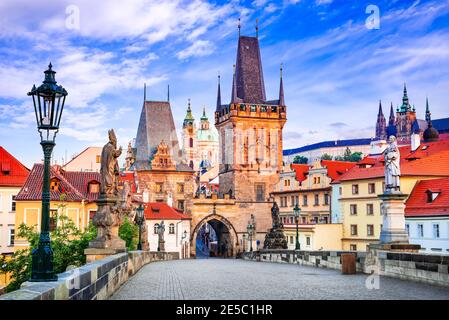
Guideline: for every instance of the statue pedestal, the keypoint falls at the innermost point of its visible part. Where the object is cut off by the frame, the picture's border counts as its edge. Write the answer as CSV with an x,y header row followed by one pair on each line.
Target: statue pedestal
x,y
393,227
161,246
107,221
275,239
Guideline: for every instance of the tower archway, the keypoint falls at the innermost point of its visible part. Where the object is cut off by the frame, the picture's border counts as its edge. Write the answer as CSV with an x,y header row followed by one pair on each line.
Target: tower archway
x,y
220,240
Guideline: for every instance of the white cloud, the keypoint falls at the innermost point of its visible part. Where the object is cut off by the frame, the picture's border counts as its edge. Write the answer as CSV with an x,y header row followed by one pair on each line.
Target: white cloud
x,y
198,49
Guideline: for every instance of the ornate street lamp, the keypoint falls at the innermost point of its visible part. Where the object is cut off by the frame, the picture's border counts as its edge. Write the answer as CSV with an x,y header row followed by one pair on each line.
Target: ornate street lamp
x,y
249,228
48,100
297,211
140,218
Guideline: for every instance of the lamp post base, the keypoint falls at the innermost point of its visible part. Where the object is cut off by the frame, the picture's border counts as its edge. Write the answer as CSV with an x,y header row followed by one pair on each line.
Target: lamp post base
x,y
42,264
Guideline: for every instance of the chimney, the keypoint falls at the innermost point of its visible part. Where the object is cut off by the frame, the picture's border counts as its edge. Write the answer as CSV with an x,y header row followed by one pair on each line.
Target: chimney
x,y
415,139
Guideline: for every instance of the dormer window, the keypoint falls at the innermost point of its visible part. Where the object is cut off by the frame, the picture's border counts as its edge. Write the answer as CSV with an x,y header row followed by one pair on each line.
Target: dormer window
x,y
54,184
94,187
432,195
6,168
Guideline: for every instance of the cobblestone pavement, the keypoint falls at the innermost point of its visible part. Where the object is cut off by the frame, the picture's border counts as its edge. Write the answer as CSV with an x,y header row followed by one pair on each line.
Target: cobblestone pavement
x,y
225,279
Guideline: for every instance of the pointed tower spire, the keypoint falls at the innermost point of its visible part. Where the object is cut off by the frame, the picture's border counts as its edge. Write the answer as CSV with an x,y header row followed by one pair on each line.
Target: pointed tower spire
x,y
392,119
405,101
257,28
168,93
144,92
234,88
188,120
239,26
381,124
430,134
281,89
218,108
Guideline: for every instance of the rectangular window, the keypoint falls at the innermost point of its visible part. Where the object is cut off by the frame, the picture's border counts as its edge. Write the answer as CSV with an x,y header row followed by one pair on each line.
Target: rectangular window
x,y
340,191
355,189
353,209
98,158
12,233
53,219
407,229
353,247
304,201
297,200
181,204
159,187
308,241
13,203
353,229
292,202
370,230
436,230
291,220
317,200
371,188
260,192
420,230
326,199
180,188
370,209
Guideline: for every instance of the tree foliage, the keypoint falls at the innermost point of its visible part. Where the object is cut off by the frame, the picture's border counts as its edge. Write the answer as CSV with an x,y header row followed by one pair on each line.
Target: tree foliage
x,y
349,156
129,232
68,243
326,156
300,160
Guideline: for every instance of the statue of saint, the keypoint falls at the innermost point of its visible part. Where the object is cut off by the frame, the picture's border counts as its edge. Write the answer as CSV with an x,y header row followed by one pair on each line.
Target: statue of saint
x,y
275,215
129,157
110,170
161,231
392,166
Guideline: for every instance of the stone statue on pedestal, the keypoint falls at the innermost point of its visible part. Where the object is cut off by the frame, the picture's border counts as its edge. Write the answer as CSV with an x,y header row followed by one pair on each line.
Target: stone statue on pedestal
x,y
110,205
275,238
392,167
160,233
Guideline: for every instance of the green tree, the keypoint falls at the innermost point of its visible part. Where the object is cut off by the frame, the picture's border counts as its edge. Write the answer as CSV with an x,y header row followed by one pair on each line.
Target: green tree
x,y
349,156
300,160
326,157
68,243
129,232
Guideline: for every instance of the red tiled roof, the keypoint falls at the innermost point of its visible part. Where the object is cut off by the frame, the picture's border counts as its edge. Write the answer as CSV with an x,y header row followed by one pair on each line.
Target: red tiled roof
x,y
162,211
417,205
336,168
301,171
75,185
128,177
430,159
12,172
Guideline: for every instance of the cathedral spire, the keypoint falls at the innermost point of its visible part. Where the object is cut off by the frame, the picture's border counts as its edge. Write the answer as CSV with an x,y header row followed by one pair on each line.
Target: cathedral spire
x,y
381,124
406,107
239,26
218,108
391,120
257,28
281,89
428,114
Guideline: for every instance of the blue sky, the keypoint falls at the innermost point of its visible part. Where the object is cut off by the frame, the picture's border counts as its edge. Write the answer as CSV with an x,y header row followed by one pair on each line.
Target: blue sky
x,y
335,68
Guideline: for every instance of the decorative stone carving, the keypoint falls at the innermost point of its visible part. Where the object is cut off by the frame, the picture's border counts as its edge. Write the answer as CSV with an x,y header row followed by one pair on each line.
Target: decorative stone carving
x,y
392,158
275,238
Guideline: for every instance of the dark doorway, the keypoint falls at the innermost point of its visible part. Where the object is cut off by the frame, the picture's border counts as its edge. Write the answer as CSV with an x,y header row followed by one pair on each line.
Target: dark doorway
x,y
213,240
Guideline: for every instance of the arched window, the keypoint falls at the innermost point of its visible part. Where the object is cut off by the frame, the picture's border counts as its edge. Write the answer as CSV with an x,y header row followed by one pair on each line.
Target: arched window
x,y
156,227
191,164
191,142
171,228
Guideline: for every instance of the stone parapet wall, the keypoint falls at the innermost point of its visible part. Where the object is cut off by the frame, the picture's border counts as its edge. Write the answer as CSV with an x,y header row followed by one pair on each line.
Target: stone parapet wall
x,y
427,268
97,280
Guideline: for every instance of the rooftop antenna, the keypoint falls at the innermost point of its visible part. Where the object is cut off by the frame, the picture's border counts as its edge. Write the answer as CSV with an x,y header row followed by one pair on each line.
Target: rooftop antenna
x,y
257,28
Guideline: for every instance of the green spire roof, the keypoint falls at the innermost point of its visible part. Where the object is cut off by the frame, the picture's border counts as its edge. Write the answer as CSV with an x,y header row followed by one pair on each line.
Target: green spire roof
x,y
204,117
189,117
405,102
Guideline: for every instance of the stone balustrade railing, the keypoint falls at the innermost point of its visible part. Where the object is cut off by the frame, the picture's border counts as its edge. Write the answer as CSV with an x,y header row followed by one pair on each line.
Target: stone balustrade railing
x,y
97,280
420,267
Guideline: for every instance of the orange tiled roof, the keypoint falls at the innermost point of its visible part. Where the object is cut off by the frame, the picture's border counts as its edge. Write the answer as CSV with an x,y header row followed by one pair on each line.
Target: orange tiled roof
x,y
336,168
301,171
12,172
417,205
430,159
162,211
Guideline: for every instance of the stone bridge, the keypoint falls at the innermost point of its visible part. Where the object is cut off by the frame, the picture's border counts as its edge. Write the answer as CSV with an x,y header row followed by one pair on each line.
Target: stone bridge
x,y
285,275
